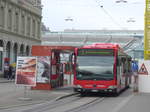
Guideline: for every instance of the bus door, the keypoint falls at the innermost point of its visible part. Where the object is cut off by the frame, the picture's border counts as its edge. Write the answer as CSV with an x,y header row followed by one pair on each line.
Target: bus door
x,y
123,72
120,72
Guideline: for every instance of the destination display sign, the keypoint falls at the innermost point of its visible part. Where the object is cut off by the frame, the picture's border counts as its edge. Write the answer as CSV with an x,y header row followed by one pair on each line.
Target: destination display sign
x,y
95,52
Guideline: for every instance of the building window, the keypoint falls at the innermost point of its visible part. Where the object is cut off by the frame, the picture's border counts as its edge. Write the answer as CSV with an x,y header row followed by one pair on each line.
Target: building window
x,y
1,16
28,25
9,19
33,28
16,22
22,24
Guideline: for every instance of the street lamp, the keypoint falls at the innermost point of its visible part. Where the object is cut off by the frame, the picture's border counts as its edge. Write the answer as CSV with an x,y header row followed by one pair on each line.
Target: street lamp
x,y
68,19
131,20
121,1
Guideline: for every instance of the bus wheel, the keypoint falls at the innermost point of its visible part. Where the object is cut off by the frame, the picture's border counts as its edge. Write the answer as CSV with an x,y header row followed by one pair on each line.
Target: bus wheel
x,y
75,90
82,93
116,92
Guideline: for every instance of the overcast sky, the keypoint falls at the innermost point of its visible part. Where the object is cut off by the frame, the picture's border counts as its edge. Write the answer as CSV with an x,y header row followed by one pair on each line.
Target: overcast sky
x,y
93,14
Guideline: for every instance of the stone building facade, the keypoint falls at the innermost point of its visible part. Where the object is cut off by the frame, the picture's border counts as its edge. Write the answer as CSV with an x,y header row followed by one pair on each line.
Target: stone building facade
x,y
20,27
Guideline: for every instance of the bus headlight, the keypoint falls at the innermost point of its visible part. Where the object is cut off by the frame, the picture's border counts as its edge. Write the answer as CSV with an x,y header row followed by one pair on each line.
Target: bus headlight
x,y
112,87
78,86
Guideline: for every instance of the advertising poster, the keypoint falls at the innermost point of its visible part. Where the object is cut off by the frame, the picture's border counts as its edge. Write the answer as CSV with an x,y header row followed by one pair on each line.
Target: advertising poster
x,y
26,71
43,69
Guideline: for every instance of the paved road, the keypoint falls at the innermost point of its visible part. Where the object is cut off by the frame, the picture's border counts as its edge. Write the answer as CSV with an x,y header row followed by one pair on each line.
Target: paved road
x,y
125,102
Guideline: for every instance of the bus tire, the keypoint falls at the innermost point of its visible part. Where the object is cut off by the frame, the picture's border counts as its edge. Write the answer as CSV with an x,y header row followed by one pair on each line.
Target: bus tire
x,y
75,90
82,94
116,92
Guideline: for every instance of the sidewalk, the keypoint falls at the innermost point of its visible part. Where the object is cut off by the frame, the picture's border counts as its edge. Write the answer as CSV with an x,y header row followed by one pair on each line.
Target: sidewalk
x,y
138,103
4,80
11,94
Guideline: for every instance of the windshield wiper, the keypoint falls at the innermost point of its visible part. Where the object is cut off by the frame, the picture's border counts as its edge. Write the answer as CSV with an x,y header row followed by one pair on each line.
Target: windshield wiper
x,y
83,72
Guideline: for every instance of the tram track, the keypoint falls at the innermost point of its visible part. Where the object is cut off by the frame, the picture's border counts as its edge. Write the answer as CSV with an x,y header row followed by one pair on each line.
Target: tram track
x,y
53,104
87,105
72,104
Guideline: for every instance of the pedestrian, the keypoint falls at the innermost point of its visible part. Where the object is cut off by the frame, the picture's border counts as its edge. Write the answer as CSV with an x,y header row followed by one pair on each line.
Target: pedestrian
x,y
135,75
135,86
6,70
13,72
10,73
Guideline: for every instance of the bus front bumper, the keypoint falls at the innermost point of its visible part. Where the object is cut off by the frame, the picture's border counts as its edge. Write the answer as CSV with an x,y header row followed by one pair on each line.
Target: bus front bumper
x,y
81,90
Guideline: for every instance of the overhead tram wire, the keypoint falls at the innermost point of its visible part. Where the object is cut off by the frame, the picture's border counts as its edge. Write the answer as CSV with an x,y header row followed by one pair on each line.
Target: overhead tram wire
x,y
130,43
111,18
109,15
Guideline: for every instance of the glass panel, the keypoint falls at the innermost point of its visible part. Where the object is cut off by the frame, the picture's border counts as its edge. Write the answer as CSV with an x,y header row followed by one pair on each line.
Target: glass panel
x,y
95,67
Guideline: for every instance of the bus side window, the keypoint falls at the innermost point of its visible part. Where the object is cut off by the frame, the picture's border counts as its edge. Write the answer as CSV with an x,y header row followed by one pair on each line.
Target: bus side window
x,y
123,60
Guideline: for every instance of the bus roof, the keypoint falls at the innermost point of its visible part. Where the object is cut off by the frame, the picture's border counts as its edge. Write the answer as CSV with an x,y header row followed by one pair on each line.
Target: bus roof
x,y
104,46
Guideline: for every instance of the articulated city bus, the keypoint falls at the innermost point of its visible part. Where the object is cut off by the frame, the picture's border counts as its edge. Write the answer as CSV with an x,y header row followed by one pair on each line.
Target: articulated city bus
x,y
101,67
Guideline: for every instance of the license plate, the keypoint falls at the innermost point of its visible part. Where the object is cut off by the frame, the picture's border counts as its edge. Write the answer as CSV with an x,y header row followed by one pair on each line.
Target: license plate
x,y
94,90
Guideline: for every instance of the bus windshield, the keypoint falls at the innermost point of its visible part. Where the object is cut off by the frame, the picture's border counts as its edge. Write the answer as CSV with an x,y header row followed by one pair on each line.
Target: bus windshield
x,y
95,67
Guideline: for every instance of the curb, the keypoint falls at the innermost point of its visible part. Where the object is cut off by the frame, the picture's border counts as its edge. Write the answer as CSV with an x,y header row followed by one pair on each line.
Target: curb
x,y
7,81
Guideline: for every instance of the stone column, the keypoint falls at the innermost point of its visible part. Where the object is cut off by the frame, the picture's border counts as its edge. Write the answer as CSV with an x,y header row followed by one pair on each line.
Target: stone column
x,y
4,54
25,27
5,16
36,31
18,49
31,25
19,22
30,32
11,52
13,19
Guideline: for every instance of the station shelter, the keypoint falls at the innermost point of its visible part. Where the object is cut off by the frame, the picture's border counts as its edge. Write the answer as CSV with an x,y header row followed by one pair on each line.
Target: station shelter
x,y
52,63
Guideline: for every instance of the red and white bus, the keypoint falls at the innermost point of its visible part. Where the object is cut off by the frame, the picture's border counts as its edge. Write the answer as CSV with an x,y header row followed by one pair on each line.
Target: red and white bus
x,y
101,67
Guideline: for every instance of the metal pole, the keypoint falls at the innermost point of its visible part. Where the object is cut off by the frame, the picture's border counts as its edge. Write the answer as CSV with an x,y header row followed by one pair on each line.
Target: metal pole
x,y
25,91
